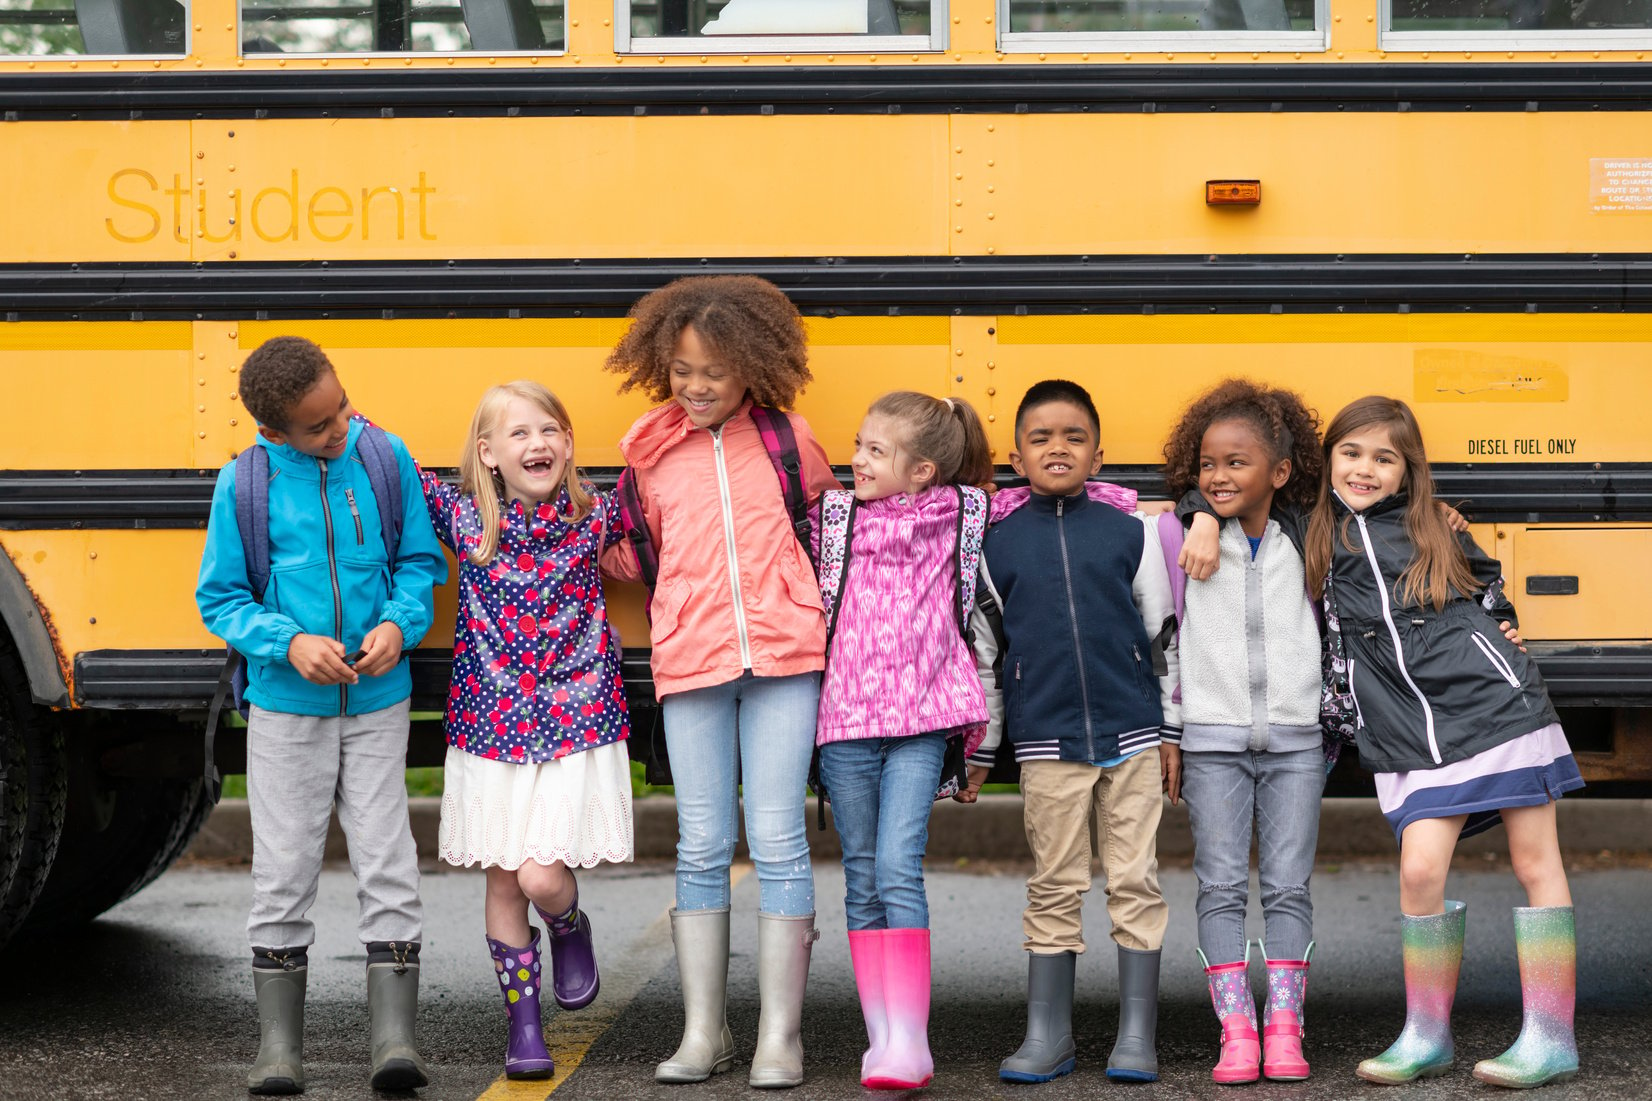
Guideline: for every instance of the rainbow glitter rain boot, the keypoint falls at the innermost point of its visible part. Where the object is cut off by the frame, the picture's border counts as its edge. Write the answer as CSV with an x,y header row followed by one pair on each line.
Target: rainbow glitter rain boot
x,y
1546,1050
1433,947
1235,1007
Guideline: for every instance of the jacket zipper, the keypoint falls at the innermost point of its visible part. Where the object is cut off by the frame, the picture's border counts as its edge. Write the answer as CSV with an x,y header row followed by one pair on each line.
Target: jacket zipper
x,y
1141,684
332,575
350,499
727,501
1072,618
1359,716
1394,634
1497,660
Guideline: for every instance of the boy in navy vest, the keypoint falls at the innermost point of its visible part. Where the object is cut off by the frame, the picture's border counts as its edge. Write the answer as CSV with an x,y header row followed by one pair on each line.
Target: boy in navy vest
x,y
328,687
1082,679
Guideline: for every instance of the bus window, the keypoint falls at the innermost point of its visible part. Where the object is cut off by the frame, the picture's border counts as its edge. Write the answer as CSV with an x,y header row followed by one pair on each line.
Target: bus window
x,y
44,28
400,26
778,26
1140,24
1520,24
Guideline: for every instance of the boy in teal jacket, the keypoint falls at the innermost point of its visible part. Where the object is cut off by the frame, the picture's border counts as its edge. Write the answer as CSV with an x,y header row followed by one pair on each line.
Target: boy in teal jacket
x,y
328,686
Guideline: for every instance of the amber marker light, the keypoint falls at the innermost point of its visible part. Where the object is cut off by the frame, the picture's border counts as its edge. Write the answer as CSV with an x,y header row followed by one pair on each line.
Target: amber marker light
x,y
1233,192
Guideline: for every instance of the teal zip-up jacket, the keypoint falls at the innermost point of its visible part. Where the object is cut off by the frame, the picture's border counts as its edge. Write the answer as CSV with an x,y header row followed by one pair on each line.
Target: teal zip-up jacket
x,y
340,588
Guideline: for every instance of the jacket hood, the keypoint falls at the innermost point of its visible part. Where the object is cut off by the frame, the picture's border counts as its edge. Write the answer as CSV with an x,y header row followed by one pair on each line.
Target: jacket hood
x,y
659,430
1006,501
286,457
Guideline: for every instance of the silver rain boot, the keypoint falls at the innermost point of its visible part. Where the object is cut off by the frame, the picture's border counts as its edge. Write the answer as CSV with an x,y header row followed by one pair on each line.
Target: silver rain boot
x,y
707,1047
784,945
392,1005
279,1068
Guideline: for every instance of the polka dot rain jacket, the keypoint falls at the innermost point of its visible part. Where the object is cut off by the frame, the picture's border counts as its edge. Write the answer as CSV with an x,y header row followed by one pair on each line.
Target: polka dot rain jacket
x,y
536,666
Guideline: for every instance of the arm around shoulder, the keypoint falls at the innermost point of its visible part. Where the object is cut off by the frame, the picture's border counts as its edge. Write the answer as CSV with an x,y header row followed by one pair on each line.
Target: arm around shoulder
x,y
419,566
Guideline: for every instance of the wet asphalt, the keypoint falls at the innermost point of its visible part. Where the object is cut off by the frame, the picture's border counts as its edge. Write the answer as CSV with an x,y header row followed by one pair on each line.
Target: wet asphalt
x,y
155,1001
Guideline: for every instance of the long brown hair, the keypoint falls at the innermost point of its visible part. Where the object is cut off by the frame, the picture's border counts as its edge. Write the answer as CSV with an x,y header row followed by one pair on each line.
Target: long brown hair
x,y
484,485
1438,567
943,431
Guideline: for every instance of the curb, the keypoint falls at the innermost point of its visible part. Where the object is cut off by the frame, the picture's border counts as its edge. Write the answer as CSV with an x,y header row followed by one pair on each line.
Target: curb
x,y
991,829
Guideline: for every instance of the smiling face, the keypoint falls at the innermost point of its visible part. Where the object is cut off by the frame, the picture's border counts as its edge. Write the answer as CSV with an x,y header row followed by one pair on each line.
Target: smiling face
x,y
530,449
1238,476
1366,467
1056,448
702,384
883,465
319,423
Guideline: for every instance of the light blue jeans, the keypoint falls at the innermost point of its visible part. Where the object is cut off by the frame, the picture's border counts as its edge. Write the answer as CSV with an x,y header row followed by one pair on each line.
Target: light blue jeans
x,y
882,790
758,732
1226,793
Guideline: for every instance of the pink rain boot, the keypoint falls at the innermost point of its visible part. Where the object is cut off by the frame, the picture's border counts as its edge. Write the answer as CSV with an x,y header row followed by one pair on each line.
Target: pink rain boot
x,y
906,1063
1282,1059
866,954
1236,1009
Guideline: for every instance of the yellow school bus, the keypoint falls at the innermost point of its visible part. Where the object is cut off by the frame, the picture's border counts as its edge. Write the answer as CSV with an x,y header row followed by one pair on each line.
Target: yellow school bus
x,y
1449,201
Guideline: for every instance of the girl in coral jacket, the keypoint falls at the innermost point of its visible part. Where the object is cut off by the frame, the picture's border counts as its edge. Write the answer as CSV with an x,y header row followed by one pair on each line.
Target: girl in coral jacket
x,y
537,780
898,558
738,640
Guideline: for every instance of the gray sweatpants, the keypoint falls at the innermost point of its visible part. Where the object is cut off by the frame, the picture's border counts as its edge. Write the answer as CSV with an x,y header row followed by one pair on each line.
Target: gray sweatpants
x,y
298,767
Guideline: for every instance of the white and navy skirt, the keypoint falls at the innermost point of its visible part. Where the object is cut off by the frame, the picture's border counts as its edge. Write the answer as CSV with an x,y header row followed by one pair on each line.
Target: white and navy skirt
x,y
1528,771
575,810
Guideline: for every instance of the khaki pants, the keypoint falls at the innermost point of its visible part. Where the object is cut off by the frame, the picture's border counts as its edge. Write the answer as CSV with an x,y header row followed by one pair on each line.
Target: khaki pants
x,y
1063,800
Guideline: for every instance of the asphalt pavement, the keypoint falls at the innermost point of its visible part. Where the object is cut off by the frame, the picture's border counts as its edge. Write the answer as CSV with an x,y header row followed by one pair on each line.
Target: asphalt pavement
x,y
155,1000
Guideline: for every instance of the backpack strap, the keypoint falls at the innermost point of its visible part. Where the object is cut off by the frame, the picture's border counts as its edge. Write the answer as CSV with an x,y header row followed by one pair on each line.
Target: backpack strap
x,y
1170,542
384,475
972,525
780,442
837,529
252,515
635,526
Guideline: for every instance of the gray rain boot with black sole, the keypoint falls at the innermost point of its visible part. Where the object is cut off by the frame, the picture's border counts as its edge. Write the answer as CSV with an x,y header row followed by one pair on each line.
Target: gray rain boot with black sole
x,y
392,1006
1048,1051
1135,1056
279,987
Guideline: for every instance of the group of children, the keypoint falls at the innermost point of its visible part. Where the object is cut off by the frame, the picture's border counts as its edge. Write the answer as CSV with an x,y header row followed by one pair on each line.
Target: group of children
x,y
879,644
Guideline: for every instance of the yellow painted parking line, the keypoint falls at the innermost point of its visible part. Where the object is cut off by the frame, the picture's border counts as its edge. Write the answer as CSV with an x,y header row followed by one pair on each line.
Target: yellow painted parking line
x,y
571,1036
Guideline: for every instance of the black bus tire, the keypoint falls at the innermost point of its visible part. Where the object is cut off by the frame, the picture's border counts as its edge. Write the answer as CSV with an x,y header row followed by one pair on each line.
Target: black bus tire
x,y
151,824
35,795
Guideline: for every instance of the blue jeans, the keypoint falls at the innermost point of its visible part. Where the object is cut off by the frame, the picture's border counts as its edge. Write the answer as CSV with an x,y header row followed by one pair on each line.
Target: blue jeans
x,y
1279,793
760,730
882,790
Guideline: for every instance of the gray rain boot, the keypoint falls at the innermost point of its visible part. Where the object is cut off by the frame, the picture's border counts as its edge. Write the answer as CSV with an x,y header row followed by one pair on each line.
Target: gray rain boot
x,y
707,1047
392,1004
784,945
1135,1057
1048,1051
278,980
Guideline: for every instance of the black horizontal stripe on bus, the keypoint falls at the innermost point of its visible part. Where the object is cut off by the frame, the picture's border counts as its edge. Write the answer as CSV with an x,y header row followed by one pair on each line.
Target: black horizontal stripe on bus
x,y
1507,492
1588,674
847,89
932,285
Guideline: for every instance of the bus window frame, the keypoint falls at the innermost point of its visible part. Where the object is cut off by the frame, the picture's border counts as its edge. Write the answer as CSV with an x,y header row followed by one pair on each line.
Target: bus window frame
x,y
1317,40
187,51
936,41
241,27
1517,41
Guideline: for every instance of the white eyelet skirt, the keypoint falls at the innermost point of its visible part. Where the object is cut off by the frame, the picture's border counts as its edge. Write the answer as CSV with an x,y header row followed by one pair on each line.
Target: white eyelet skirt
x,y
576,810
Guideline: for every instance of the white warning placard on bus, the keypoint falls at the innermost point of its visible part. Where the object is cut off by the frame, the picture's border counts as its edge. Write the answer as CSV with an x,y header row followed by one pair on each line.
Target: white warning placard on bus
x,y
1620,185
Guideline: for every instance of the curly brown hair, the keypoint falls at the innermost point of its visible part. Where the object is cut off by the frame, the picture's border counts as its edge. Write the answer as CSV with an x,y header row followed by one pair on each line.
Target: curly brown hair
x,y
277,375
746,322
1281,420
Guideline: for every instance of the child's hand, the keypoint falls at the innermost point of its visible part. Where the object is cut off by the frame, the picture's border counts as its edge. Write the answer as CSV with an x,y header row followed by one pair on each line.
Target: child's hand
x,y
1454,519
1512,633
1170,770
1202,547
320,660
972,786
380,650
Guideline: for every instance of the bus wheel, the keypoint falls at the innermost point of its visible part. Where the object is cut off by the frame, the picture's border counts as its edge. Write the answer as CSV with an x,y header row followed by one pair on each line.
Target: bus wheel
x,y
34,793
149,825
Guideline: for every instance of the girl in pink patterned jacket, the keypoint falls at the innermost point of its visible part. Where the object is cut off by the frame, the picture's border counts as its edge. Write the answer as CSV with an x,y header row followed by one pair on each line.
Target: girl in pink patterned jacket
x,y
901,697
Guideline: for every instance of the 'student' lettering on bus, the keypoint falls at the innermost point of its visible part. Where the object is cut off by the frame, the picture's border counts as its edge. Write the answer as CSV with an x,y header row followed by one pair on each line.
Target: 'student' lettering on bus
x,y
328,213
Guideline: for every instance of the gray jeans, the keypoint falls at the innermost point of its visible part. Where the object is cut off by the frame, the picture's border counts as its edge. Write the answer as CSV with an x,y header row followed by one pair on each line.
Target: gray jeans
x,y
1279,793
298,766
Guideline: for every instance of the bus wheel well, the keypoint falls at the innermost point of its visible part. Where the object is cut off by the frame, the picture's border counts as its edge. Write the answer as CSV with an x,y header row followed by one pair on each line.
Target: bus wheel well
x,y
32,635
